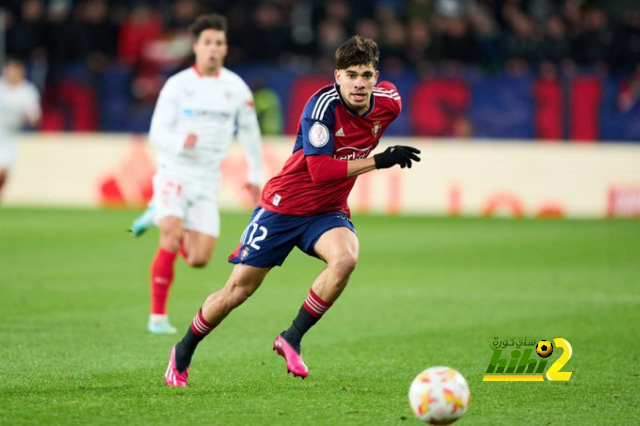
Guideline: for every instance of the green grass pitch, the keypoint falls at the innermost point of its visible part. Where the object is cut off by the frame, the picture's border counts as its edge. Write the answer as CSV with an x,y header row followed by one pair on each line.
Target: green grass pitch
x,y
427,291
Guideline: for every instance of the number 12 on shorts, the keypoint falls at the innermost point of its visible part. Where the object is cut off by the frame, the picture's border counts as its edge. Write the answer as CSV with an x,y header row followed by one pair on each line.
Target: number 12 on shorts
x,y
254,233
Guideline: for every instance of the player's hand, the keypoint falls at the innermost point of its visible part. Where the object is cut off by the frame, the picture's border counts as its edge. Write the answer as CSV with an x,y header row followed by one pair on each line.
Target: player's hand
x,y
402,155
190,141
254,192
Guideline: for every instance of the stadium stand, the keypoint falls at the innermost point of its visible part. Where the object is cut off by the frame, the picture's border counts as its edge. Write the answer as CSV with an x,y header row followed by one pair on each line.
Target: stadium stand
x,y
534,68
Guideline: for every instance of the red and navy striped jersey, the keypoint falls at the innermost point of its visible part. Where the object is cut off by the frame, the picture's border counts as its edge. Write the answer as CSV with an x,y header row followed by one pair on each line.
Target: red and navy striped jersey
x,y
328,126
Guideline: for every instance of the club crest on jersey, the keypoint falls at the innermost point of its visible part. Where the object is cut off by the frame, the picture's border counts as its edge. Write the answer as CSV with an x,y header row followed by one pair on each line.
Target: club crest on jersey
x,y
376,128
245,252
318,135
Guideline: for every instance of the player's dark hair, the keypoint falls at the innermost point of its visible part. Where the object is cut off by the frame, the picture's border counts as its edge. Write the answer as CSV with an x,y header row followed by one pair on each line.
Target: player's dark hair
x,y
357,51
15,60
211,21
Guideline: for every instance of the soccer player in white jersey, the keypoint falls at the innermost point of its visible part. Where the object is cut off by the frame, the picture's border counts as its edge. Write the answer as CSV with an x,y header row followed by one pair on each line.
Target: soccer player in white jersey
x,y
19,105
194,122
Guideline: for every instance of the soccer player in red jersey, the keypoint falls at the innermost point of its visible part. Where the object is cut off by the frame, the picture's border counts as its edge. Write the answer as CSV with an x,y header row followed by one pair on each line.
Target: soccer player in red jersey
x,y
305,205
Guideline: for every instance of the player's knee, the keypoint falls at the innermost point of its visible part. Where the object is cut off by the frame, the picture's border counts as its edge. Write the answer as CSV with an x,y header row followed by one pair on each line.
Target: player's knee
x,y
171,238
238,295
197,261
198,264
346,263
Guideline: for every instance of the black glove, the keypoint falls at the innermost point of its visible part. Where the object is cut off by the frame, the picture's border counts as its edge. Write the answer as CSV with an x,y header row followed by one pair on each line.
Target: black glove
x,y
402,155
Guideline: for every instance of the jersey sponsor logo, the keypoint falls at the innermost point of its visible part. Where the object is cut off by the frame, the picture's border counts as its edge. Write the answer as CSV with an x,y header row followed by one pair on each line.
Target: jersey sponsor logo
x,y
376,128
351,153
340,132
318,135
207,114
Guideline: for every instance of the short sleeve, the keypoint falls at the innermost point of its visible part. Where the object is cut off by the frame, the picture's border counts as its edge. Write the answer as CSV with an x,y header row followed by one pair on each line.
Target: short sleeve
x,y
389,90
318,122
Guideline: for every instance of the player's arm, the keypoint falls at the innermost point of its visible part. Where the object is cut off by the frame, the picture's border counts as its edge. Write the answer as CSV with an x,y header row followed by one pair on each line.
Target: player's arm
x,y
324,168
33,112
162,133
250,139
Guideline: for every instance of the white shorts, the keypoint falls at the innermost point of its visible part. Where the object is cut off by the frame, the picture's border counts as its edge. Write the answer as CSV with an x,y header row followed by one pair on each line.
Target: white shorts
x,y
194,203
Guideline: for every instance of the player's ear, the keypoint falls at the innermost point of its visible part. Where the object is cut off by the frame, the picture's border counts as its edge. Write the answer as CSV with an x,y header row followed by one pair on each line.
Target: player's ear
x,y
336,76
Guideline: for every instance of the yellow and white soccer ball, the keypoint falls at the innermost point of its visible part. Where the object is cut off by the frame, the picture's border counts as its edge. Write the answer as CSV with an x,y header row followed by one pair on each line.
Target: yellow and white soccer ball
x,y
439,395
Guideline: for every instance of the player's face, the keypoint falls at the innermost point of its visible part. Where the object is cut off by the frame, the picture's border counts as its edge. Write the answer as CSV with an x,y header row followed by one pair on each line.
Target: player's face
x,y
210,50
356,85
13,73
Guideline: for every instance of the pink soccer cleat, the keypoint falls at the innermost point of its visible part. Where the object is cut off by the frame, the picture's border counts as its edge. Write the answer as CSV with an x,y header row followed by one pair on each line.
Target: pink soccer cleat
x,y
295,364
172,377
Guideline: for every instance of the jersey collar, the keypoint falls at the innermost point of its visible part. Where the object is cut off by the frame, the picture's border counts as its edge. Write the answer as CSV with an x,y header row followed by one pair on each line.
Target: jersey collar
x,y
199,74
349,109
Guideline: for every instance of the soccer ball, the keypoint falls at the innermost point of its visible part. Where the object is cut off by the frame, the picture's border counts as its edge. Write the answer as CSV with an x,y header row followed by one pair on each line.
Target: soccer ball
x,y
544,348
439,395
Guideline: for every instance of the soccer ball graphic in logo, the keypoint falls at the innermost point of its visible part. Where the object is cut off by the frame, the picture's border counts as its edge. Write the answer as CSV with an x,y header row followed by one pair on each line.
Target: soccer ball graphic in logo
x,y
544,348
439,395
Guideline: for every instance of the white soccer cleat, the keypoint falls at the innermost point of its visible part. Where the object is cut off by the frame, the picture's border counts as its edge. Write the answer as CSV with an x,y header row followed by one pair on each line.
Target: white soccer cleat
x,y
143,222
161,326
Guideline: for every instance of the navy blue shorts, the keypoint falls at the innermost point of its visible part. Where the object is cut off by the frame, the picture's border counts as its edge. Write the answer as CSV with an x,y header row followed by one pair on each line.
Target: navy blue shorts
x,y
270,237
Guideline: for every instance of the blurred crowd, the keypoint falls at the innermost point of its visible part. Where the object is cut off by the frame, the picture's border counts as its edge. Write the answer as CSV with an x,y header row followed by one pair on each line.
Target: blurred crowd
x,y
412,33
58,38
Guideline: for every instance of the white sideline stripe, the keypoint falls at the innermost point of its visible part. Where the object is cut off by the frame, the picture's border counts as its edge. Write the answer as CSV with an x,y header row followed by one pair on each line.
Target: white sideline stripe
x,y
255,219
321,99
323,103
378,89
384,95
387,96
327,101
315,107
391,95
324,109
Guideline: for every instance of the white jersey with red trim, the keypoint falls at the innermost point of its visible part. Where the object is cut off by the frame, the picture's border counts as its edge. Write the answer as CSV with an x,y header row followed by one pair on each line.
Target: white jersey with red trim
x,y
213,108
